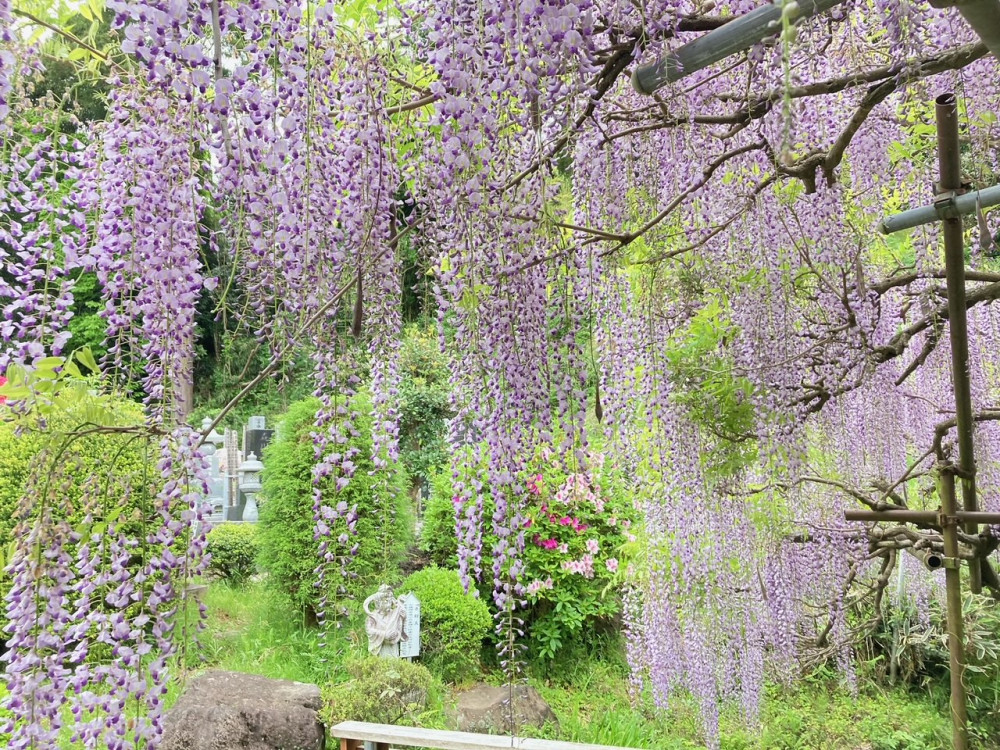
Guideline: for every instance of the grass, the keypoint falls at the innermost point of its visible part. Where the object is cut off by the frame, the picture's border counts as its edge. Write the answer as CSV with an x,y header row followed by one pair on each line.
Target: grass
x,y
818,715
253,630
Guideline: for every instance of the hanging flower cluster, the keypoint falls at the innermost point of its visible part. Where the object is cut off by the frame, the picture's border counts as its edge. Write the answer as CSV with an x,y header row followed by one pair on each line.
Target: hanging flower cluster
x,y
594,252
113,586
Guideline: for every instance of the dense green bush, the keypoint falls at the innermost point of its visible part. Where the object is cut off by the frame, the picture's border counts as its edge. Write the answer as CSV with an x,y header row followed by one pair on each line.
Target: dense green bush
x,y
288,548
233,549
578,537
453,624
383,691
115,463
103,475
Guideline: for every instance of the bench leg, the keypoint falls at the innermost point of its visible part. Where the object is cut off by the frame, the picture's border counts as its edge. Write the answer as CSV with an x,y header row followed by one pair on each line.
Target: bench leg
x,y
381,746
346,744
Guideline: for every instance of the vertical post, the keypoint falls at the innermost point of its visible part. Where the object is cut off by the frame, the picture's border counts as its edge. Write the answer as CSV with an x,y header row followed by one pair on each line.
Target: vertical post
x,y
953,594
949,166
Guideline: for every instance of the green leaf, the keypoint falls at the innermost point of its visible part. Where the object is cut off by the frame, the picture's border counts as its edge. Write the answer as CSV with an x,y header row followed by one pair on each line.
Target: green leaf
x,y
49,363
86,358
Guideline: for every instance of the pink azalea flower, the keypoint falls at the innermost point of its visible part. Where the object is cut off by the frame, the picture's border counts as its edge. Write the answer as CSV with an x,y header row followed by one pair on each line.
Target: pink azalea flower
x,y
612,564
592,546
566,521
564,548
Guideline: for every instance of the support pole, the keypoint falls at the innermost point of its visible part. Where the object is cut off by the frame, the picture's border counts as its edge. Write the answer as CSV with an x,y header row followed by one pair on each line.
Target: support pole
x,y
949,165
964,204
737,35
956,628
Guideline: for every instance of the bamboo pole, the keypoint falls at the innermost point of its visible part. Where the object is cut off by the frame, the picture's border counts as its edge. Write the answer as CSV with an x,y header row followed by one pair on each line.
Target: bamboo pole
x,y
950,184
953,593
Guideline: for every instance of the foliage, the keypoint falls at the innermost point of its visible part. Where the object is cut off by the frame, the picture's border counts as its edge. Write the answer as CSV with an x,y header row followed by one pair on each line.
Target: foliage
x,y
709,392
249,630
579,526
423,402
384,691
453,623
74,426
233,548
734,311
820,715
918,643
579,531
87,326
288,550
437,532
239,356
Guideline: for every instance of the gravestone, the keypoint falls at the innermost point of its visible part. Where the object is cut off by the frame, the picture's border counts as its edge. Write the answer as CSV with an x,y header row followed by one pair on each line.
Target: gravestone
x,y
256,437
232,462
214,450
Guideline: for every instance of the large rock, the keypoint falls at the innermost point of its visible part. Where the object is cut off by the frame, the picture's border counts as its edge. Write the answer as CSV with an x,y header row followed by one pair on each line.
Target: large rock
x,y
487,709
234,711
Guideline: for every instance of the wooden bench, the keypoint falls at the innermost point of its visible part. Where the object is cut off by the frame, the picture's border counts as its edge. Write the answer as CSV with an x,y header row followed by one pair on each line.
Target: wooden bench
x,y
360,735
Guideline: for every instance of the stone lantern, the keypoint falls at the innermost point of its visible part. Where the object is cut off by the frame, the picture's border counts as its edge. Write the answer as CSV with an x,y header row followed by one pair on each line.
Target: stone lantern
x,y
250,485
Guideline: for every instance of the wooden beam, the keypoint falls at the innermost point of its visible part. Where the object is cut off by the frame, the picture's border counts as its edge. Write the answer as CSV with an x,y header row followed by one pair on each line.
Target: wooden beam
x,y
438,739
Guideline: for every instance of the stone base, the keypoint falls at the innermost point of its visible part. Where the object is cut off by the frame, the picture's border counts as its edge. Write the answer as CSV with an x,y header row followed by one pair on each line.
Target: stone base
x,y
487,709
235,711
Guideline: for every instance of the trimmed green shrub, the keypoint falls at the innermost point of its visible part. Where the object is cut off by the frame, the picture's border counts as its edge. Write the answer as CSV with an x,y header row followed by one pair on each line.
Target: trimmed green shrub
x,y
383,691
453,624
288,549
233,549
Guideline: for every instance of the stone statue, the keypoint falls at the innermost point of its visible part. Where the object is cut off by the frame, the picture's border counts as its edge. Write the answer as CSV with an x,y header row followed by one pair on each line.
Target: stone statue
x,y
386,621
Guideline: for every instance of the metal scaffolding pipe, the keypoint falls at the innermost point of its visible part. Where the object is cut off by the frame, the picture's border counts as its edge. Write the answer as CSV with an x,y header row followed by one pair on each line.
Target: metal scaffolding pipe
x,y
735,36
747,30
950,171
961,205
956,625
893,516
927,517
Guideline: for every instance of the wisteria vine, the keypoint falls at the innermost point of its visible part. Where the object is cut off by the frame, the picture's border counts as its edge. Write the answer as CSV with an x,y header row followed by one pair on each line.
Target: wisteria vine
x,y
693,277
